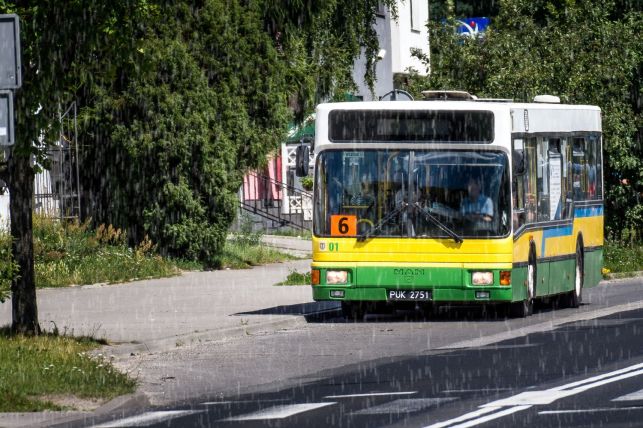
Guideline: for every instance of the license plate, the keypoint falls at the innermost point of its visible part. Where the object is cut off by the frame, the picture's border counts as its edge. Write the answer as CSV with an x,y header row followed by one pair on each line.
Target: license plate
x,y
410,295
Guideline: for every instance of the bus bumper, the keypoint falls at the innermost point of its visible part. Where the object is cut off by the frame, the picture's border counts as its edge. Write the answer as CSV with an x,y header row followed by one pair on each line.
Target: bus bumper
x,y
453,284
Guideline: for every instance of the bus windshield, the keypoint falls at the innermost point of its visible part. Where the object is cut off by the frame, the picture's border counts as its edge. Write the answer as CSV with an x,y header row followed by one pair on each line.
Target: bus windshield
x,y
451,194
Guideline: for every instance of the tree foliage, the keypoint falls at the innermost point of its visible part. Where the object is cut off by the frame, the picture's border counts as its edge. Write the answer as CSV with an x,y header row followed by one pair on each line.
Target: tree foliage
x,y
583,51
178,99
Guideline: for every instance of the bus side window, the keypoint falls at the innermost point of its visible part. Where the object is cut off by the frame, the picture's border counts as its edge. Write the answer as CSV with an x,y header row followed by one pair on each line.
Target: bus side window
x,y
593,161
579,169
543,179
530,180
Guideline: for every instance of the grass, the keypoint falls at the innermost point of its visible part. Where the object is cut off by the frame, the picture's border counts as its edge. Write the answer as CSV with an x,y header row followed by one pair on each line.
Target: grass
x,y
621,257
296,278
241,255
34,369
72,253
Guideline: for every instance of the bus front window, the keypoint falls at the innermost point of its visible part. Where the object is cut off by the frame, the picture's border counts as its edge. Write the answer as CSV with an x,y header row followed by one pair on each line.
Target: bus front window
x,y
381,193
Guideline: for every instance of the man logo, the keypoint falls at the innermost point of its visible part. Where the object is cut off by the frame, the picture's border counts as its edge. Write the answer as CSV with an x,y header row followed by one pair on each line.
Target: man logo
x,y
322,246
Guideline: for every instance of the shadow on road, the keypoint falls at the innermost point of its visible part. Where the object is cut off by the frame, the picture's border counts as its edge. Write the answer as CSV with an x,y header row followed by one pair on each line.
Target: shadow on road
x,y
330,312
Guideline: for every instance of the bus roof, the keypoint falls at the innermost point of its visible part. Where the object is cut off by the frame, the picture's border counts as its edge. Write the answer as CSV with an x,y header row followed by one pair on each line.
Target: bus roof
x,y
523,118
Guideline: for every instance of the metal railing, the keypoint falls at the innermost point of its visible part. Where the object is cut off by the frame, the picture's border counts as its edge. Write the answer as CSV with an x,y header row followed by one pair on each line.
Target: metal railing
x,y
278,202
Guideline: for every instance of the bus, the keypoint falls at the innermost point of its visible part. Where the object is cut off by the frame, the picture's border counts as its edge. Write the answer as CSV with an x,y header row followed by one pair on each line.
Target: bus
x,y
455,199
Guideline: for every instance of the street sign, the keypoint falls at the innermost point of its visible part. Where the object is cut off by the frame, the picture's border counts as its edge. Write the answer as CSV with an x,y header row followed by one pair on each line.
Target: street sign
x,y
6,119
10,65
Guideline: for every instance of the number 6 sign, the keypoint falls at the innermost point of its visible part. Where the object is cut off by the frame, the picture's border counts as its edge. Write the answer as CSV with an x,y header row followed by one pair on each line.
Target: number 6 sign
x,y
343,225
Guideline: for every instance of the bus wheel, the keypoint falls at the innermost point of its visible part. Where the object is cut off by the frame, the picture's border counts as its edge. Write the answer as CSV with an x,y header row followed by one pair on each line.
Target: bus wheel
x,y
575,297
526,307
353,311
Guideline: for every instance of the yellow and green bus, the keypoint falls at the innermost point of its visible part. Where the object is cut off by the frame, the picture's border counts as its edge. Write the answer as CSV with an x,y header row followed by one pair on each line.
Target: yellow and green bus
x,y
456,199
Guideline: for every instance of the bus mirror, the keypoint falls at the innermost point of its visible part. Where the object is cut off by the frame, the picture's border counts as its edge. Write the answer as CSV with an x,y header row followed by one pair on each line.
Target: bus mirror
x,y
309,141
518,162
302,158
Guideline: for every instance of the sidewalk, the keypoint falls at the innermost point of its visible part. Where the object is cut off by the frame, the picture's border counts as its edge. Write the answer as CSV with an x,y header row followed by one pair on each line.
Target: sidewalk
x,y
151,314
296,246
161,314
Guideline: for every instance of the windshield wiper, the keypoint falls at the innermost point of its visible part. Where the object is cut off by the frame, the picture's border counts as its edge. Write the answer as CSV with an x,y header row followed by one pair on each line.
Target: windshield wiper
x,y
439,224
401,207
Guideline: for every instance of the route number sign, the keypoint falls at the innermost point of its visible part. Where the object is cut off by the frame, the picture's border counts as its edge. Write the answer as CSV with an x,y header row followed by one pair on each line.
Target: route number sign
x,y
343,225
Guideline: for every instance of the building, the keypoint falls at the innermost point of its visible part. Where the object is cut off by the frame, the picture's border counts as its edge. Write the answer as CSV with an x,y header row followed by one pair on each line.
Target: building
x,y
398,38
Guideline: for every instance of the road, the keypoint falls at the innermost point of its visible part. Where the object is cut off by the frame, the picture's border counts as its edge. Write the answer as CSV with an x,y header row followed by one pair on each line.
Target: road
x,y
459,368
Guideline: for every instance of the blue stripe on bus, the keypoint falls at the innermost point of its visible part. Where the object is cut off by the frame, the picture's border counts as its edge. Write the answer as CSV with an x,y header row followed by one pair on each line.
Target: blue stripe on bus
x,y
554,233
567,230
588,211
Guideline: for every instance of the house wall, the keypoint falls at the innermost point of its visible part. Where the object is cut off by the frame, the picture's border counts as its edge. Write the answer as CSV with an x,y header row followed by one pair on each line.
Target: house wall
x,y
396,39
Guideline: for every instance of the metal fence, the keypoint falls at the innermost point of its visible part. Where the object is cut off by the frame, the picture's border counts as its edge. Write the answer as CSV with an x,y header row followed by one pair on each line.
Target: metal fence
x,y
57,187
278,202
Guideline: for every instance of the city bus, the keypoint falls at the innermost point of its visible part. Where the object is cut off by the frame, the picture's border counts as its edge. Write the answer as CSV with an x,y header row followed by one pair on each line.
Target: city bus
x,y
456,199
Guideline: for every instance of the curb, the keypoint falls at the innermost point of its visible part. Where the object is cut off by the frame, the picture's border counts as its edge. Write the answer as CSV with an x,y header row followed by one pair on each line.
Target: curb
x,y
624,275
179,341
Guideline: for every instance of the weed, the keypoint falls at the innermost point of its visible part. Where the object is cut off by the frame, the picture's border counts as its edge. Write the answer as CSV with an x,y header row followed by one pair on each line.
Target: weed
x,y
296,278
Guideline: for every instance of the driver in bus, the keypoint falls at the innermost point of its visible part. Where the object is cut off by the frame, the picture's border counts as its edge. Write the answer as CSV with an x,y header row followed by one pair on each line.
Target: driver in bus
x,y
476,206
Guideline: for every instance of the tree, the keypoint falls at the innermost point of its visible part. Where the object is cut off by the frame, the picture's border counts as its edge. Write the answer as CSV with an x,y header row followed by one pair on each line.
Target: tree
x,y
177,100
57,40
586,52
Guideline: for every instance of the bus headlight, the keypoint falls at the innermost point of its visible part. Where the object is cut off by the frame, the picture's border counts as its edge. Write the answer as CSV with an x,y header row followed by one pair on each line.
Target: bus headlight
x,y
336,277
482,278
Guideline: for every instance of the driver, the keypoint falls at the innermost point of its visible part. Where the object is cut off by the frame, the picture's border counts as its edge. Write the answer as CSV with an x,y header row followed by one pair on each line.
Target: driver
x,y
476,206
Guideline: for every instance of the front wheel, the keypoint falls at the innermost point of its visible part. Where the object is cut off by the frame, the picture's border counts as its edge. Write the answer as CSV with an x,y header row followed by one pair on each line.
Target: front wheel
x,y
525,308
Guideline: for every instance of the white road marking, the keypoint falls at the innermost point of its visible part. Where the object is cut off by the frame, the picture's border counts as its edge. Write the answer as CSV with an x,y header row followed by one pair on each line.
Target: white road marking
x,y
278,412
599,377
607,409
491,417
465,417
218,403
371,394
528,399
634,396
404,405
460,391
147,418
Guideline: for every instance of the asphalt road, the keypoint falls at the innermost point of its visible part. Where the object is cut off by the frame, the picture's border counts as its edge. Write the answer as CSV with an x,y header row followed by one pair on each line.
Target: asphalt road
x,y
458,368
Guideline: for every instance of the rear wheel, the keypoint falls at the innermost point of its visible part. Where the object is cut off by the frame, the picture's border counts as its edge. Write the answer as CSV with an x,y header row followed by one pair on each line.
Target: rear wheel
x,y
526,307
575,297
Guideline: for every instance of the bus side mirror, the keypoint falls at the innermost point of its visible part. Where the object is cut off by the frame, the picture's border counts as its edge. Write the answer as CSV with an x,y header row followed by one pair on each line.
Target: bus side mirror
x,y
302,158
518,163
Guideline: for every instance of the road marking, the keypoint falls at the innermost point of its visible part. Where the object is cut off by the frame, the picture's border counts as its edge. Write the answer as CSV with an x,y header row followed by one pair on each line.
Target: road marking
x,y
491,417
634,396
218,403
371,394
544,326
278,412
465,417
460,391
404,405
599,377
528,399
608,409
146,418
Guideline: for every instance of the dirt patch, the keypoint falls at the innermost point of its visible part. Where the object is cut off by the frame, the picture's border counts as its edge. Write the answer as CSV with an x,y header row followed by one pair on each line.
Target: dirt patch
x,y
71,402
